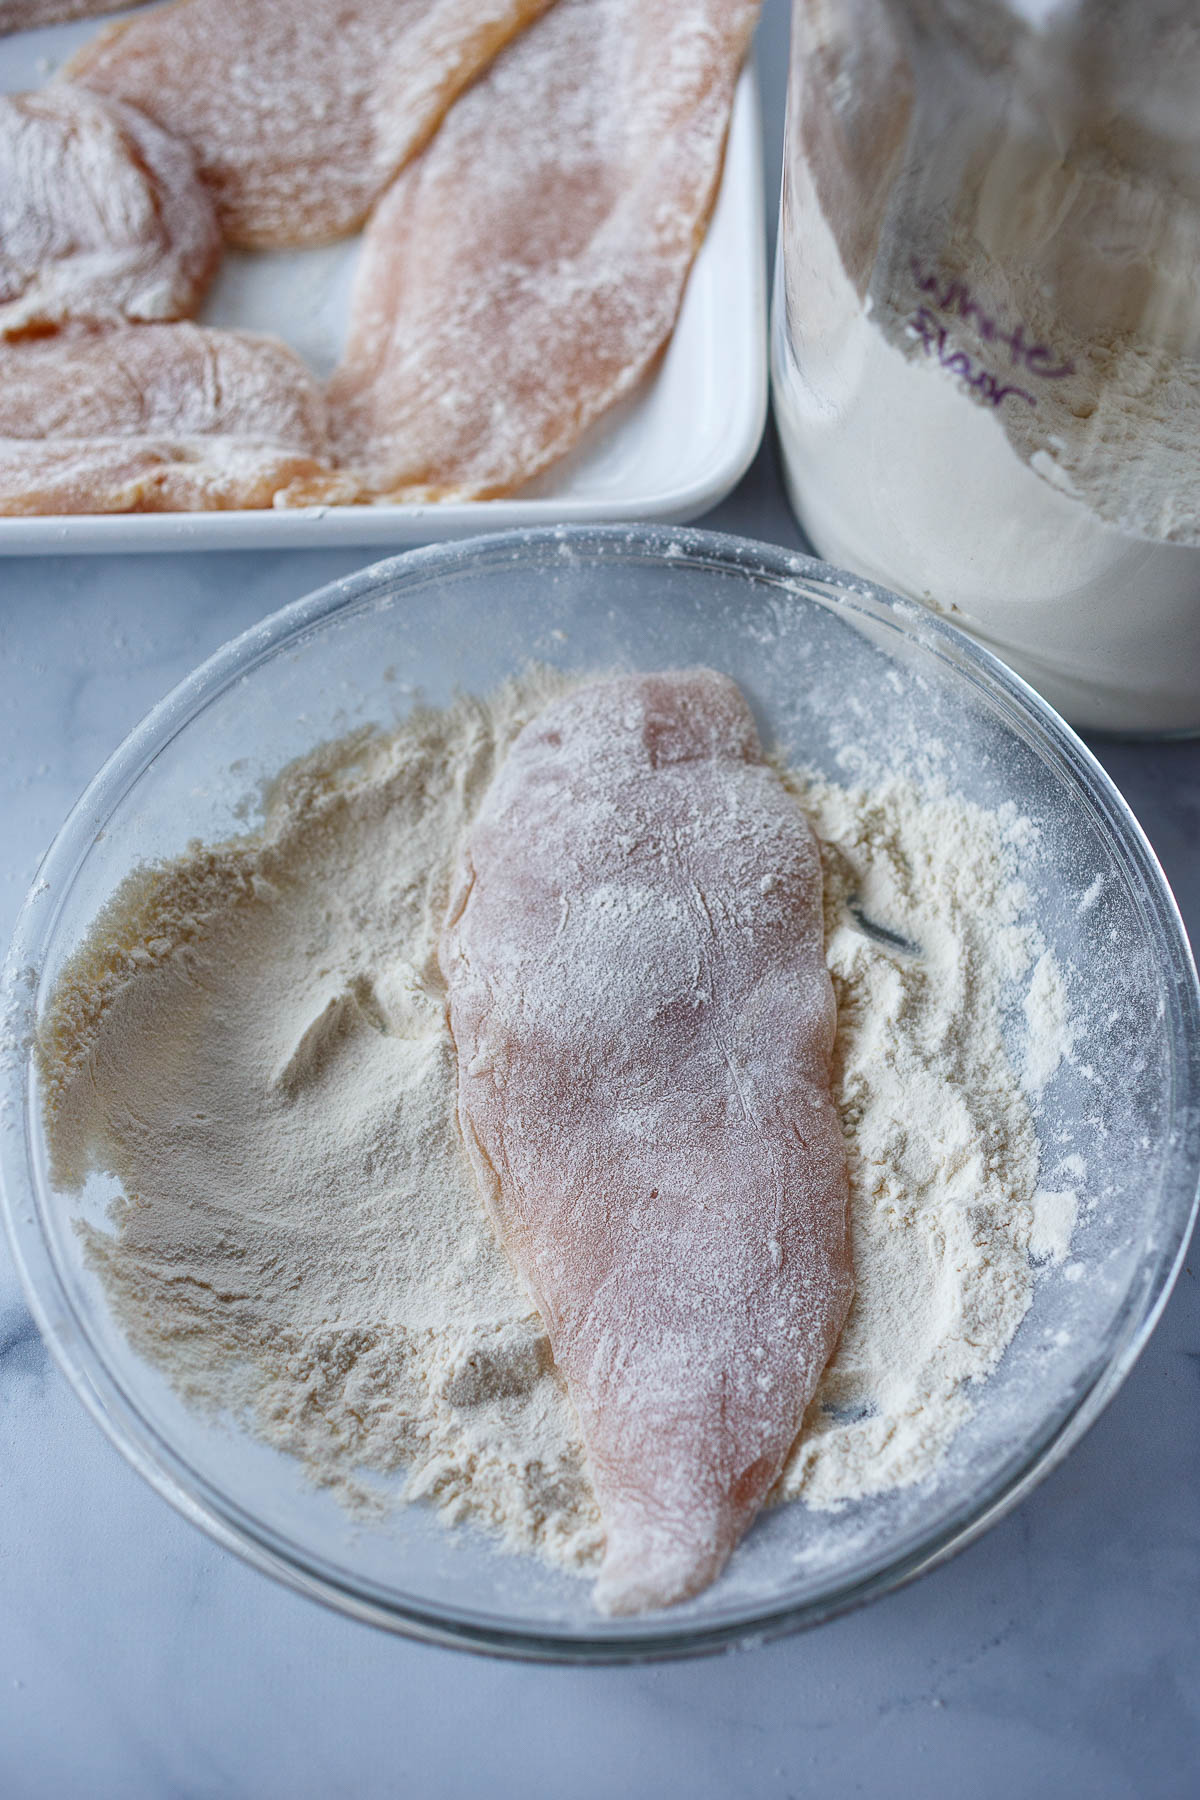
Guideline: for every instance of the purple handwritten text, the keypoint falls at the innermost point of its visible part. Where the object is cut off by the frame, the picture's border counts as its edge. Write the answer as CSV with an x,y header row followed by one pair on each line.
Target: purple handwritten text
x,y
955,299
957,362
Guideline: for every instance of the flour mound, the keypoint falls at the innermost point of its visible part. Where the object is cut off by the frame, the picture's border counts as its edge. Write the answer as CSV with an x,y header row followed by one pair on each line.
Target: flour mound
x,y
252,1042
925,939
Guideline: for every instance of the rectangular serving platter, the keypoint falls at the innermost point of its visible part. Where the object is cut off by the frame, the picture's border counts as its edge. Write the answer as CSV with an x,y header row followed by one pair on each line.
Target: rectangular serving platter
x,y
670,452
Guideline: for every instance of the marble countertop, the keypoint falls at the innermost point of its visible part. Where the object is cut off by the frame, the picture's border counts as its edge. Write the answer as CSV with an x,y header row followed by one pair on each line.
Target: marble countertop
x,y
1060,1655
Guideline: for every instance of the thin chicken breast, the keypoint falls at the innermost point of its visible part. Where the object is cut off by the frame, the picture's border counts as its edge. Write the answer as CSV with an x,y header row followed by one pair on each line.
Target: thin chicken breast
x,y
299,112
102,216
159,418
527,269
643,1022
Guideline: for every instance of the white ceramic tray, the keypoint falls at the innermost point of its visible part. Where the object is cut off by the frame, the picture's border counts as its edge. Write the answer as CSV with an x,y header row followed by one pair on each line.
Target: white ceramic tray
x,y
669,453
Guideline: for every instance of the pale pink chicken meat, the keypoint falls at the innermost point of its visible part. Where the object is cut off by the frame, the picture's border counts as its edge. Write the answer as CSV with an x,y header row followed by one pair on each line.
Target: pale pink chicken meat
x,y
159,418
102,215
526,270
643,1021
299,112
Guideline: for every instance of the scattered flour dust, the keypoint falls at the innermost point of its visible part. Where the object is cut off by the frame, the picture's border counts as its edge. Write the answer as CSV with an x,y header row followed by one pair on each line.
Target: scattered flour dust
x,y
253,1043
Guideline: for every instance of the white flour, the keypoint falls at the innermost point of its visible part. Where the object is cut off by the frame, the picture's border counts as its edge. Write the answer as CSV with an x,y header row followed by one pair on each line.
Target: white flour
x,y
253,1043
987,341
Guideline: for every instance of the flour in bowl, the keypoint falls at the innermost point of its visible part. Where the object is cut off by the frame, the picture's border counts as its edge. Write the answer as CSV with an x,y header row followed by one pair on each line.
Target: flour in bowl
x,y
252,1041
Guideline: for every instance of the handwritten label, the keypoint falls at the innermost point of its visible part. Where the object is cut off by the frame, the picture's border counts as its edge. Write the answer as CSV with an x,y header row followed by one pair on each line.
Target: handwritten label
x,y
953,299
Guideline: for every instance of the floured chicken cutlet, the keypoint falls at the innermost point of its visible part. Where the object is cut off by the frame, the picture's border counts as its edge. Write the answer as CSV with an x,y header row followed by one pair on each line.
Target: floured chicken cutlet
x,y
299,112
102,216
159,418
527,269
643,1022
23,15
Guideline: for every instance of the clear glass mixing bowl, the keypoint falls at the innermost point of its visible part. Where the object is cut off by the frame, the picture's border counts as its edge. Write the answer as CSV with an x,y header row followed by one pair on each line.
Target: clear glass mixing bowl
x,y
833,665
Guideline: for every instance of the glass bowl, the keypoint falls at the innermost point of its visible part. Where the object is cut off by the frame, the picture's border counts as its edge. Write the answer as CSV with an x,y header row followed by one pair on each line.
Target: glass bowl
x,y
834,666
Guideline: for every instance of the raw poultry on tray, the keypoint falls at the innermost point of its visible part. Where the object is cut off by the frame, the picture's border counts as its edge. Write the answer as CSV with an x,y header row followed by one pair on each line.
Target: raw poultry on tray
x,y
527,242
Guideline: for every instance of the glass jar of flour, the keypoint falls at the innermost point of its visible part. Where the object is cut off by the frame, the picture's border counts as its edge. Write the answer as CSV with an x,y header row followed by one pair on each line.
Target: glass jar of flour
x,y
986,335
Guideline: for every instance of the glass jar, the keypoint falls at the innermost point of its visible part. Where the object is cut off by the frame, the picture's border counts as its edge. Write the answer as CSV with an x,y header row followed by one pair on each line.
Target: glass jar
x,y
986,333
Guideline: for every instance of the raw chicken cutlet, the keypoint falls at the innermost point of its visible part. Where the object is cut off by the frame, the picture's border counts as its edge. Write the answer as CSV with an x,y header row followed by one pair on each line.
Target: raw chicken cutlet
x,y
527,269
643,1022
299,112
102,216
159,418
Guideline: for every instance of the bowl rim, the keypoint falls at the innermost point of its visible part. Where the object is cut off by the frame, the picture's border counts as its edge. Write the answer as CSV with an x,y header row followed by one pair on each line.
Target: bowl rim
x,y
200,1499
